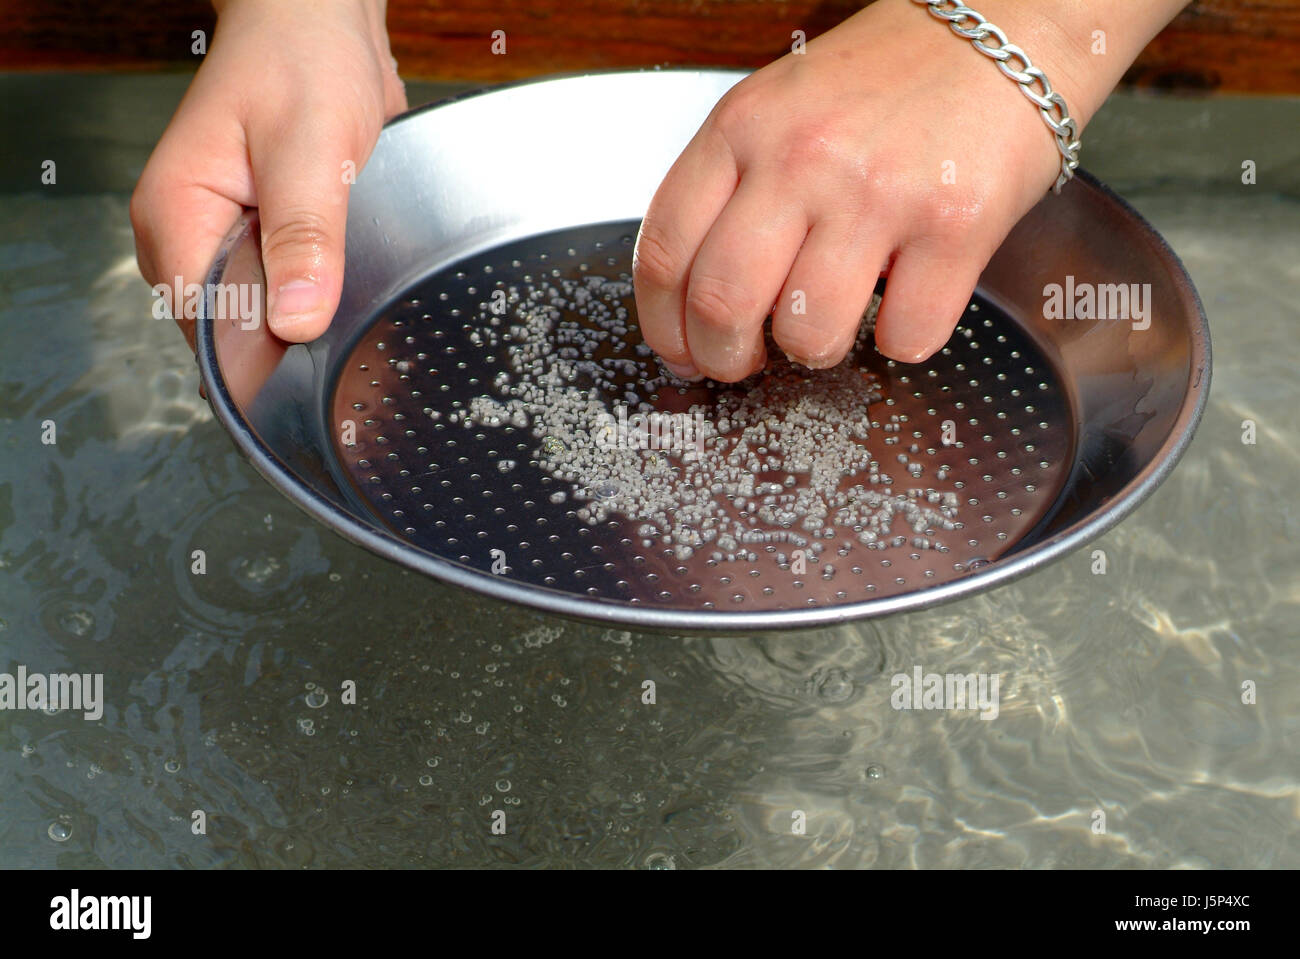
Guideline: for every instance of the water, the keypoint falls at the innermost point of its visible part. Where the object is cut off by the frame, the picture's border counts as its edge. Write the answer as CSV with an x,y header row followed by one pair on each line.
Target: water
x,y
225,692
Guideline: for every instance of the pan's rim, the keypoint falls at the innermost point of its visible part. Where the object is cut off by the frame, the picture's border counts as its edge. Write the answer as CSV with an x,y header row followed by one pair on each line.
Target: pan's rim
x,y
611,613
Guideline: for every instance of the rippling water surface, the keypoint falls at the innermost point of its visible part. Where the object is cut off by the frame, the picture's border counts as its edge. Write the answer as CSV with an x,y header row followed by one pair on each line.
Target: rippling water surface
x,y
1120,693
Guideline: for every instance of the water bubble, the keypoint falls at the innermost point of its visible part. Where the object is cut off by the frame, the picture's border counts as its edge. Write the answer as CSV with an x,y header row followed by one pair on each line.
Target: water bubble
x,y
659,860
171,766
875,771
503,785
59,831
832,685
426,780
78,621
259,570
317,698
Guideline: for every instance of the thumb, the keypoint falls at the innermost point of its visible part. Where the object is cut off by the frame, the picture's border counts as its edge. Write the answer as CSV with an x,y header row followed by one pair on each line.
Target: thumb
x,y
302,175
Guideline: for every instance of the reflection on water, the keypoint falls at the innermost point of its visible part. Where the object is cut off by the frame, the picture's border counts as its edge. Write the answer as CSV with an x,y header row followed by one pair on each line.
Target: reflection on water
x,y
224,691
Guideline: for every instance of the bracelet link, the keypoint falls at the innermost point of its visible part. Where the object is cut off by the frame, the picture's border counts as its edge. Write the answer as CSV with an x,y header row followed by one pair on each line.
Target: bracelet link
x,y
1051,105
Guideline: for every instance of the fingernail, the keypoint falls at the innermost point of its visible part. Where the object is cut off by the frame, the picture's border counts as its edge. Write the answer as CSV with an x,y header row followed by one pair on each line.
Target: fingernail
x,y
295,303
797,360
683,372
909,354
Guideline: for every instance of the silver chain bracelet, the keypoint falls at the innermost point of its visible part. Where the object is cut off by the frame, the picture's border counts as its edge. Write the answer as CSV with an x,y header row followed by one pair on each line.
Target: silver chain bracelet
x,y
1051,105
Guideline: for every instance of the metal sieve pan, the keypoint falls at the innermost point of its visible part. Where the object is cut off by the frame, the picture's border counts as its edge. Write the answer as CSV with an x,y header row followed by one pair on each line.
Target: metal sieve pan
x,y
1029,435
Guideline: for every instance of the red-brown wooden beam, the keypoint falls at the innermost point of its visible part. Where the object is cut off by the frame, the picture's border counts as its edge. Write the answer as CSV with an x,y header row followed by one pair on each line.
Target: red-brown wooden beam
x,y
1226,45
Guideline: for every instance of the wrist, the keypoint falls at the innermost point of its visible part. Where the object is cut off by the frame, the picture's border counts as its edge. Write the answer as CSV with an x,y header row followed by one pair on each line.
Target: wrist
x,y
1084,46
1055,38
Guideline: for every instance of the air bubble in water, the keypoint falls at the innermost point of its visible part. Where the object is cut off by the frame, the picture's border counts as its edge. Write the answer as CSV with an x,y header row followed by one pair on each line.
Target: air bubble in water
x,y
832,685
317,698
59,831
79,622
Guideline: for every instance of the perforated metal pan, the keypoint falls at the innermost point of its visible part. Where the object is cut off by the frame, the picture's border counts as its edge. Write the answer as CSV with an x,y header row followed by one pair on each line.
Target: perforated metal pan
x,y
1066,425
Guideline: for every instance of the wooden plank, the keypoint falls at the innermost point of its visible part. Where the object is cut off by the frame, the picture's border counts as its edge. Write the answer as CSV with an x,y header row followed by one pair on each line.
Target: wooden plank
x,y
1224,45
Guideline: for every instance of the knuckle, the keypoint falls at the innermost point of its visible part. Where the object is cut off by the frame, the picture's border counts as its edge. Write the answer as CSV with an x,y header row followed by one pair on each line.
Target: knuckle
x,y
944,216
737,107
138,209
719,305
655,260
809,146
304,233
867,187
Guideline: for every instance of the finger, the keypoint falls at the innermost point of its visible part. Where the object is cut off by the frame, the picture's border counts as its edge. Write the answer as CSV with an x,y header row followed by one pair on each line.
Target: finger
x,y
820,310
302,166
925,297
179,226
394,89
737,276
694,192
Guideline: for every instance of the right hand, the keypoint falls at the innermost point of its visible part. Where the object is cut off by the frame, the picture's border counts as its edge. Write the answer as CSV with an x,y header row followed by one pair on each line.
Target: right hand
x,y
288,96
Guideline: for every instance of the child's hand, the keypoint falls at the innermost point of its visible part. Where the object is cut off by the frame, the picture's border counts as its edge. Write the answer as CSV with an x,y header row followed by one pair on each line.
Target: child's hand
x,y
289,94
822,171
